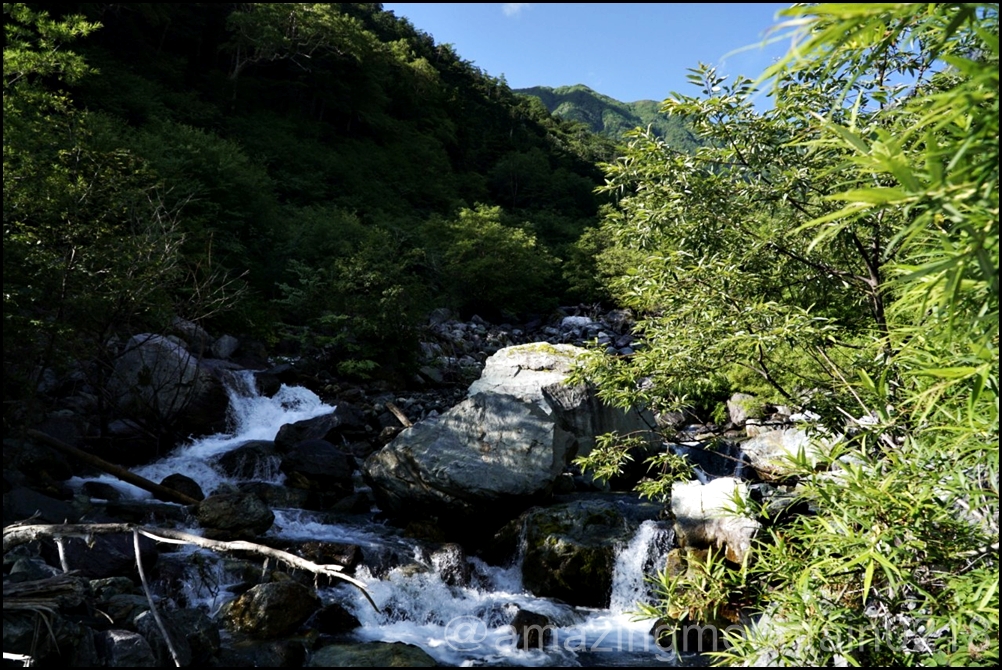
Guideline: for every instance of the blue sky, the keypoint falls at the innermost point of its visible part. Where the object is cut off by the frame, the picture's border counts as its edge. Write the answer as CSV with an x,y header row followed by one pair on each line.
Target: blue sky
x,y
628,51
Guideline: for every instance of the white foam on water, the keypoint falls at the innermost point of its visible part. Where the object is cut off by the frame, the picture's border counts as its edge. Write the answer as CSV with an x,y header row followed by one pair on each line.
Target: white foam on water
x,y
252,416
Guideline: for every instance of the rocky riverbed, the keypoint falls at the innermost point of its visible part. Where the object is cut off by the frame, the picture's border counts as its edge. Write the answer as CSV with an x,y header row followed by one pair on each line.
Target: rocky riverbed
x,y
454,504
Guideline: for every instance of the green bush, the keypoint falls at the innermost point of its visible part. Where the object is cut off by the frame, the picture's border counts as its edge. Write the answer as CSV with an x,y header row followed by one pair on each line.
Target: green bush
x,y
489,265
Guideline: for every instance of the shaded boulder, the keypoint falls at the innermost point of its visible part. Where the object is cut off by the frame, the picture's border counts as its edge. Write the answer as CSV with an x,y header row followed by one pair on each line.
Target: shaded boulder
x,y
234,516
372,655
334,619
706,517
484,459
533,631
271,610
23,503
158,382
183,484
319,465
580,412
225,346
344,424
119,648
570,550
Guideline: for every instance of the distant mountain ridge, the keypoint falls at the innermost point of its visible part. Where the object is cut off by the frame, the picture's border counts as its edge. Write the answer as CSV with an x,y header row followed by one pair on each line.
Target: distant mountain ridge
x,y
610,117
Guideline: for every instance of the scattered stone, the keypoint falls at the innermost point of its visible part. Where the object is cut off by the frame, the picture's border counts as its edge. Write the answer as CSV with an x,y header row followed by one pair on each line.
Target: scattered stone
x,y
234,516
334,619
705,517
124,649
372,655
533,630
451,564
225,347
271,610
183,484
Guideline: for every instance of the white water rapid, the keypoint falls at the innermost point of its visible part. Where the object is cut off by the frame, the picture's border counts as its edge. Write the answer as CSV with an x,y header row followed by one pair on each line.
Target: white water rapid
x,y
457,625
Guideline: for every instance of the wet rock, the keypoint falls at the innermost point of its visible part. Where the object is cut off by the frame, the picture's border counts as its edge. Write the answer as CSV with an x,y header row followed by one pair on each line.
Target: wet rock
x,y
234,516
271,610
27,569
147,626
262,654
451,564
705,517
201,632
345,422
338,553
714,457
275,495
372,655
322,465
533,630
101,491
256,459
570,550
183,484
124,608
334,619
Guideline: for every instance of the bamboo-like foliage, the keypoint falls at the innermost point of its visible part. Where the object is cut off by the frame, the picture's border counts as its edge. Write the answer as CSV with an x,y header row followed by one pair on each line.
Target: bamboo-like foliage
x,y
842,246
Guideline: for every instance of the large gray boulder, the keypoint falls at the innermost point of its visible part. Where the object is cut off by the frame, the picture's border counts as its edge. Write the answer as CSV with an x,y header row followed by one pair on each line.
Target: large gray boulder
x,y
157,381
486,454
503,447
522,371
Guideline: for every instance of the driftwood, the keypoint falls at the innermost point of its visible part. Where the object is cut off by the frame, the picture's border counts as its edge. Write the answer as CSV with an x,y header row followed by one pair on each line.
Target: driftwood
x,y
401,417
16,535
47,594
162,492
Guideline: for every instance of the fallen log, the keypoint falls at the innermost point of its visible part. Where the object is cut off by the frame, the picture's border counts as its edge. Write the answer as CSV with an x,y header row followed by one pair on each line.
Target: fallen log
x,y
162,492
16,535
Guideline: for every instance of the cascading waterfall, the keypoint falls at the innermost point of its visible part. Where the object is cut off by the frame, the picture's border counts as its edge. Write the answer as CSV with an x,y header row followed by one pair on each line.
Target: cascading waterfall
x,y
457,625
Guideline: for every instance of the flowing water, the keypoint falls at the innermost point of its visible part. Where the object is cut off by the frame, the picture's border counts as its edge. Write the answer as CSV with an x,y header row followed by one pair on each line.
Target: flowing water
x,y
457,625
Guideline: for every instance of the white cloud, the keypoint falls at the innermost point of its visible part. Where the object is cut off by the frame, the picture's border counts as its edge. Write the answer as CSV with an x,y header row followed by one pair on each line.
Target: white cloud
x,y
514,8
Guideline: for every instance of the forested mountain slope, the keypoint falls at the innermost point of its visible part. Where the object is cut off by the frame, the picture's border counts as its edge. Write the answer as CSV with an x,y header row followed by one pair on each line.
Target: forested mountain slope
x,y
609,117
321,171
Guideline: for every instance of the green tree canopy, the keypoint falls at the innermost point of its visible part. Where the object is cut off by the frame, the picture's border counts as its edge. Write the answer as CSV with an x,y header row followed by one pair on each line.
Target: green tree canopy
x,y
839,252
